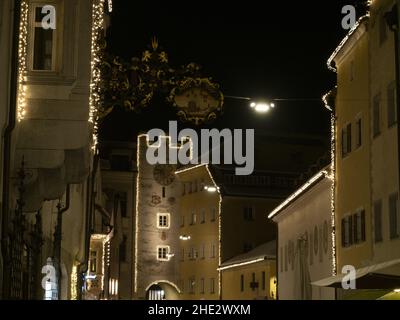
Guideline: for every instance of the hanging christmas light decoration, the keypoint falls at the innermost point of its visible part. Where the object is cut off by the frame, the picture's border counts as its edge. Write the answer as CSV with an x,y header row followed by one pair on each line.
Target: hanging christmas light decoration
x,y
96,58
22,57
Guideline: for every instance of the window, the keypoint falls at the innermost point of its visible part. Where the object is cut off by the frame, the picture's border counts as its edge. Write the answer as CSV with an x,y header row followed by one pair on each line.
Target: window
x,y
359,226
241,282
263,280
193,218
248,214
162,253
212,250
202,286
212,214
163,192
347,231
123,249
202,216
376,113
182,254
253,281
122,196
358,132
93,261
182,220
193,254
195,186
192,285
43,43
378,221
346,140
163,220
391,104
212,285
394,216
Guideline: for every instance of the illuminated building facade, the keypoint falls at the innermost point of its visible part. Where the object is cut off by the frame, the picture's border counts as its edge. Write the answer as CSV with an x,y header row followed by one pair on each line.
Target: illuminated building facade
x,y
366,144
51,145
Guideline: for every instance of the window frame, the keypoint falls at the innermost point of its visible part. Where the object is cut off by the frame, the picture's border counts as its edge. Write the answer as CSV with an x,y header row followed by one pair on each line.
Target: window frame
x,y
168,220
32,32
166,254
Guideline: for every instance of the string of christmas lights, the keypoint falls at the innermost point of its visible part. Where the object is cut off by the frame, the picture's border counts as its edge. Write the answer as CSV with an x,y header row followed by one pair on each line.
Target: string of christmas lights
x,y
22,57
94,97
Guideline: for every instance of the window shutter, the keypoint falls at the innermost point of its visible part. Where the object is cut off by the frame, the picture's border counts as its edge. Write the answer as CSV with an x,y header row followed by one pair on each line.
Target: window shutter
x,y
344,233
348,138
363,225
355,228
351,237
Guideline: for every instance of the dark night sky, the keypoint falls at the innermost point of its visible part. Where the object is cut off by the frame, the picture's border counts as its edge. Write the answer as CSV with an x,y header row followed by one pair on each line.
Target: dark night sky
x,y
275,49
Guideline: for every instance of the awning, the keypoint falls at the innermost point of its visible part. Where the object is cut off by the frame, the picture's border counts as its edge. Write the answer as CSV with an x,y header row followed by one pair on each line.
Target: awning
x,y
385,275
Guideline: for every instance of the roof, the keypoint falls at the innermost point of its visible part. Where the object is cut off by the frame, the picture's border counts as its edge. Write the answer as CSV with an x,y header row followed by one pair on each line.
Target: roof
x,y
299,192
266,251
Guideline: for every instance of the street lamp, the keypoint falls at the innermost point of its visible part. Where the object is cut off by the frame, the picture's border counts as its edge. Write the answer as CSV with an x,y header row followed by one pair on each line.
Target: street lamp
x,y
262,107
259,106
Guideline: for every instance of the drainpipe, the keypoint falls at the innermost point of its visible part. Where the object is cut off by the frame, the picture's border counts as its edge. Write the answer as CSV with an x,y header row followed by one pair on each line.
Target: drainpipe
x,y
58,238
392,19
7,151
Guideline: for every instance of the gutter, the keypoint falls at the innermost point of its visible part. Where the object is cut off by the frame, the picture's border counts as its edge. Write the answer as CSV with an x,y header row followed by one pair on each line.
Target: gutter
x,y
7,150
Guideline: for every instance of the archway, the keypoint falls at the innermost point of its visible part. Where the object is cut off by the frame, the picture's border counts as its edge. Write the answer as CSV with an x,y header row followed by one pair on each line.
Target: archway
x,y
162,291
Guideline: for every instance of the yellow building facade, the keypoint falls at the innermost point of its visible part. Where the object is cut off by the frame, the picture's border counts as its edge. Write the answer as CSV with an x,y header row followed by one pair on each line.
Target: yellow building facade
x,y
215,226
251,276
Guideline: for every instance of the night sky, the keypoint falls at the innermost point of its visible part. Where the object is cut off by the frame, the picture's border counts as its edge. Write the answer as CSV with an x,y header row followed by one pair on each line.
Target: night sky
x,y
272,49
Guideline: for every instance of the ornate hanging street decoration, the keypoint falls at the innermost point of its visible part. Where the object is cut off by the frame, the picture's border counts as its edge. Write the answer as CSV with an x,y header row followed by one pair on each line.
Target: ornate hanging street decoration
x,y
133,84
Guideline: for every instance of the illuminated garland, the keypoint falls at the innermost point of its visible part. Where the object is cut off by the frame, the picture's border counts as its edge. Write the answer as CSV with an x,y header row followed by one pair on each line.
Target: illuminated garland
x,y
94,97
344,41
74,282
219,229
22,66
333,186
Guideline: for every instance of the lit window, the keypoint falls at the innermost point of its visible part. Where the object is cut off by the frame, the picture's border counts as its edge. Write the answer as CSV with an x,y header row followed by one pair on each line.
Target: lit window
x,y
163,220
43,43
93,261
194,218
163,253
347,231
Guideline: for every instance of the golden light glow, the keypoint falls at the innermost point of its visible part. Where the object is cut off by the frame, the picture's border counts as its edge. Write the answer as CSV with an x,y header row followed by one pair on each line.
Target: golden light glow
x,y
22,57
344,41
74,282
219,228
333,186
137,211
241,264
94,96
298,192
